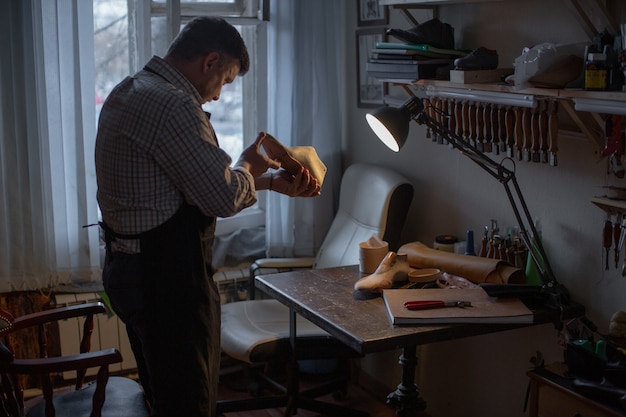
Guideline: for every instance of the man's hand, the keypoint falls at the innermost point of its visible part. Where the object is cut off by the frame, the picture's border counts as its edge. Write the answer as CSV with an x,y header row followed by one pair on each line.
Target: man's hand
x,y
254,161
281,181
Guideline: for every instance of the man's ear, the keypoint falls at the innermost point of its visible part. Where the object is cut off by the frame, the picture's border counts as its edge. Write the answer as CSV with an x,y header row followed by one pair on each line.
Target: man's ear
x,y
210,61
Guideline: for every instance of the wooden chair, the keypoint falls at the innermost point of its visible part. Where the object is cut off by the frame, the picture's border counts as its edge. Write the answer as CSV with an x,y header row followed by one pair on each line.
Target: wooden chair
x,y
124,397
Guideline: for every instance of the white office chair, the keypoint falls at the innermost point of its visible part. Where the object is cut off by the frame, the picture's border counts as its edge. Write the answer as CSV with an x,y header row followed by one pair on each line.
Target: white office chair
x,y
372,200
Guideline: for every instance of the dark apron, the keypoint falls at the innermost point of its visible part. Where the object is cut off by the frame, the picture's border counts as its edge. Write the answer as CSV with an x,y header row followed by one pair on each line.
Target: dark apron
x,y
171,307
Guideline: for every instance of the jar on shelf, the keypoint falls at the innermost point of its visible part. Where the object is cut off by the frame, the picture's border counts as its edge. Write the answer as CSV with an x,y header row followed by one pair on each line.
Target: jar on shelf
x,y
596,72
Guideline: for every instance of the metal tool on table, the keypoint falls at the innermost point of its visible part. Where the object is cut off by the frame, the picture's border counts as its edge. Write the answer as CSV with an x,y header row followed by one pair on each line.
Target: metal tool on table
x,y
427,304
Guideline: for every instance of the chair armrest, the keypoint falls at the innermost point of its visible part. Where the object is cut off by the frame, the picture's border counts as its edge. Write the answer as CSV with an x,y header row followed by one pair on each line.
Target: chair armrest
x,y
59,313
273,265
64,363
285,263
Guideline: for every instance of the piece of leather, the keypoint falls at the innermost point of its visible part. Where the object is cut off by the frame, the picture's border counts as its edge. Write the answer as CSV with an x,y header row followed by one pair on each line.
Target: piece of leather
x,y
474,268
292,159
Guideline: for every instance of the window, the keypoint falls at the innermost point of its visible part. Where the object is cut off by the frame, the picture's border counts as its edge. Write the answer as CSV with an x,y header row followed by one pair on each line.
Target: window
x,y
127,33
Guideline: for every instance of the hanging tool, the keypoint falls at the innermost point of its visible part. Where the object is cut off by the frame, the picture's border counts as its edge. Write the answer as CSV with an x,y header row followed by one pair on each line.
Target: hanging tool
x,y
459,118
473,120
437,105
502,110
452,104
519,133
617,234
611,130
622,238
536,135
607,232
480,125
528,136
495,129
510,132
487,124
553,133
427,110
543,131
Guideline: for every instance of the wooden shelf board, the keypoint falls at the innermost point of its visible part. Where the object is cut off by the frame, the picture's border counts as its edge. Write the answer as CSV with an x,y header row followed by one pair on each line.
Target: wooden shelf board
x,y
609,205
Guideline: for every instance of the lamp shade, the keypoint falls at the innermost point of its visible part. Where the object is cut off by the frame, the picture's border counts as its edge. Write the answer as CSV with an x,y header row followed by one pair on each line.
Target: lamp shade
x,y
391,125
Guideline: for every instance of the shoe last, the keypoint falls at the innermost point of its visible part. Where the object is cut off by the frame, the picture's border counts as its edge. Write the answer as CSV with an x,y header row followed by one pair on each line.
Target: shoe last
x,y
393,268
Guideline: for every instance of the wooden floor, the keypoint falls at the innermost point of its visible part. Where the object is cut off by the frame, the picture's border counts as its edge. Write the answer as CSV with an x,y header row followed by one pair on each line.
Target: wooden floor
x,y
234,386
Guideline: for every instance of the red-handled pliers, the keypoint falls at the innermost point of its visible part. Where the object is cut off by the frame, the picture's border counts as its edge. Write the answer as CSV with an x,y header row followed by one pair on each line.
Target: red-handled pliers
x,y
418,305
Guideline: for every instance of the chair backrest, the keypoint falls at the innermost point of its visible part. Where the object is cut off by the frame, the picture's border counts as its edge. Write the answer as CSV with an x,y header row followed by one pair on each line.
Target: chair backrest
x,y
372,200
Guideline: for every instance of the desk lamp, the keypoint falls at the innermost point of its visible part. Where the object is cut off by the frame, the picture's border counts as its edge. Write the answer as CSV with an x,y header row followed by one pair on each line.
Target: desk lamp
x,y
391,125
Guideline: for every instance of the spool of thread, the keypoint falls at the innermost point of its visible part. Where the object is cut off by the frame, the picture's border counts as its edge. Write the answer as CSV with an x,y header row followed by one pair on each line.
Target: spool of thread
x,y
445,243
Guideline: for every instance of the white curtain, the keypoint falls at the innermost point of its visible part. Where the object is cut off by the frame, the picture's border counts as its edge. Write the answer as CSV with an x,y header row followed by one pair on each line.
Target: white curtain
x,y
47,134
306,100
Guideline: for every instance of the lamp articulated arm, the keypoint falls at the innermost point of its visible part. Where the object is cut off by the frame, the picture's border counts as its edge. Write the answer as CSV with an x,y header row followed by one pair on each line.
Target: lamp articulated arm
x,y
386,123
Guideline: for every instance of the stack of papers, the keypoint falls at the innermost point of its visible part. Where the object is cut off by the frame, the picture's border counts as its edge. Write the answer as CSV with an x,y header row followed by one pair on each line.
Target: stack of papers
x,y
401,61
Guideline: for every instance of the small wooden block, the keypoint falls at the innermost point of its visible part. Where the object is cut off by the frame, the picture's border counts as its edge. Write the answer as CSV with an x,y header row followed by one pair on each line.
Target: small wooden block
x,y
479,76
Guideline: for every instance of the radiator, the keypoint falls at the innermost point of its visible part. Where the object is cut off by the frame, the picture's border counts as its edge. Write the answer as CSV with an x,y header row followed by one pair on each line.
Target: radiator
x,y
108,332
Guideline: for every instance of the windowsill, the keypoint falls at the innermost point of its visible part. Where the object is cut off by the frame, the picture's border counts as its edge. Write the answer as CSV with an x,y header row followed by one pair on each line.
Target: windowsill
x,y
248,218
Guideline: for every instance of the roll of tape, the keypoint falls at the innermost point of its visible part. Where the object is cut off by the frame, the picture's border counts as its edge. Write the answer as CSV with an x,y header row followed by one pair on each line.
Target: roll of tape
x,y
445,243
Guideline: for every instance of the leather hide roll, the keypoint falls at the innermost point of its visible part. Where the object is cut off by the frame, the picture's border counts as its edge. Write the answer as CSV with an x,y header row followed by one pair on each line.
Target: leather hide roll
x,y
473,268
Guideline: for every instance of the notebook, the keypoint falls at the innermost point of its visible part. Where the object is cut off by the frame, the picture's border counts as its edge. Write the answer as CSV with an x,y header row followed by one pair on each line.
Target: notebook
x,y
484,309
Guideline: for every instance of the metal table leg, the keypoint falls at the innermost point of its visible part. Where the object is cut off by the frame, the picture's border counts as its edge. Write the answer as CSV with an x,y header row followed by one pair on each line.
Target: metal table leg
x,y
405,399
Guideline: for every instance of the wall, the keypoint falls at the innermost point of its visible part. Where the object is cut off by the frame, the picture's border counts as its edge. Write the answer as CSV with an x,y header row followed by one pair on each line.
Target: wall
x,y
486,375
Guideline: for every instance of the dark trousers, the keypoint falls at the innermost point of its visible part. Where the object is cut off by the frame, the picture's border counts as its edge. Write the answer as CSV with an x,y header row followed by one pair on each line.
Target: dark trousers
x,y
171,309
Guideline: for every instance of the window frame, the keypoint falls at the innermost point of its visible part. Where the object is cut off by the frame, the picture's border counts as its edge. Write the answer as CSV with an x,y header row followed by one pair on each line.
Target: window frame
x,y
255,111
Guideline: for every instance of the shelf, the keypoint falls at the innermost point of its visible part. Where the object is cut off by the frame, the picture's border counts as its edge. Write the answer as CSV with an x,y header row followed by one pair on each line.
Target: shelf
x,y
589,123
609,205
541,92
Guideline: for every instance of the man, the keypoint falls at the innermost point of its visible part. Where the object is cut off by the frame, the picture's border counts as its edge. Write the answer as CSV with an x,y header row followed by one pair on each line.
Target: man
x,y
162,181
